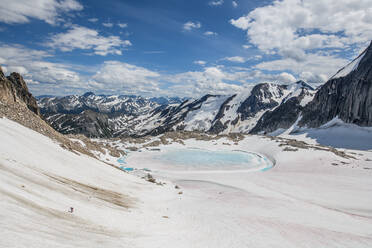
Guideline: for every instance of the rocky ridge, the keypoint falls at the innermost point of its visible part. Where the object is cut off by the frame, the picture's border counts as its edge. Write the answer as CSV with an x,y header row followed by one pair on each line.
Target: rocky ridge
x,y
14,89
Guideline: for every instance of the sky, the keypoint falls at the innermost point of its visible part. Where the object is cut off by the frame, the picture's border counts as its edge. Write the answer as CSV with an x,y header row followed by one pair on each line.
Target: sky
x,y
184,48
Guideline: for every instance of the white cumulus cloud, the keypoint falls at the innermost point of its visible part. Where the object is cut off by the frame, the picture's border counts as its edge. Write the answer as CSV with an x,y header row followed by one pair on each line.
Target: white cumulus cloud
x,y
317,64
118,76
308,24
191,25
50,11
216,2
45,77
123,25
210,33
108,24
313,78
200,62
298,30
211,80
93,19
236,59
79,37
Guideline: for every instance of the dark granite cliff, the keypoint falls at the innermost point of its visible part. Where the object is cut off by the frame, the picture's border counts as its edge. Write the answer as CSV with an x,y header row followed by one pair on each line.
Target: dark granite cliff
x,y
349,97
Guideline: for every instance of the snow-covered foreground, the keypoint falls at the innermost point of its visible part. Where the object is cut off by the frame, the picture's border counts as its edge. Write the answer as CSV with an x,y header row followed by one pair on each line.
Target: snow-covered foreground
x,y
311,198
40,181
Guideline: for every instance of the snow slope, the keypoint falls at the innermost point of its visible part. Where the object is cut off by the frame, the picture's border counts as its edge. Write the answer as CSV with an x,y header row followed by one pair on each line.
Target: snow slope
x,y
201,119
335,133
40,181
311,198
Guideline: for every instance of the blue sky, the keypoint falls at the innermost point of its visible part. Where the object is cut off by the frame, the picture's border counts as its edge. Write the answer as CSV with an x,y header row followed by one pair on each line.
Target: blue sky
x,y
174,47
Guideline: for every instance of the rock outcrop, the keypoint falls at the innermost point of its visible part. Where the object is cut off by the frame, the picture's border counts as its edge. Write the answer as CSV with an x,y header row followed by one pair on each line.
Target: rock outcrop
x,y
14,89
262,98
89,123
283,117
174,116
218,126
288,112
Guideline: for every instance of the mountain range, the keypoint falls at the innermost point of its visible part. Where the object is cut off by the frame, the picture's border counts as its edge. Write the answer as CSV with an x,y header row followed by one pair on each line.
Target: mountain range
x,y
113,116
267,108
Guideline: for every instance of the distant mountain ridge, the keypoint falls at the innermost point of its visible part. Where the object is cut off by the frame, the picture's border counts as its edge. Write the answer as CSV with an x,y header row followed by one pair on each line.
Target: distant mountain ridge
x,y
221,114
114,116
126,104
93,115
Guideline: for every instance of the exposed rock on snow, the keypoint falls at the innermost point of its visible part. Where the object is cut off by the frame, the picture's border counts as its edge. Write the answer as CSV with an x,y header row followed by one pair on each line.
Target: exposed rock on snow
x,y
88,123
287,112
263,97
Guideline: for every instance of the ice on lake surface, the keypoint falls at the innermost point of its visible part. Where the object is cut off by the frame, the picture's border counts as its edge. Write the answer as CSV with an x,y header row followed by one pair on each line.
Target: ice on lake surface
x,y
201,159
